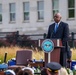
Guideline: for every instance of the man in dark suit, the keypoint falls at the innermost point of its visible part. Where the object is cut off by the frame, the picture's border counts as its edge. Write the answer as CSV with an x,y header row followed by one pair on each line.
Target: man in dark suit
x,y
60,30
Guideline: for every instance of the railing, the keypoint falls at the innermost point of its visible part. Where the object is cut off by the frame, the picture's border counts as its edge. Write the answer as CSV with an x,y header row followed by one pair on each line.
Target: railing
x,y
14,36
72,38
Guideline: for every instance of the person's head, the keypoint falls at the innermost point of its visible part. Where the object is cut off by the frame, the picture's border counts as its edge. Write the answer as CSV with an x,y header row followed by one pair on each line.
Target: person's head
x,y
44,71
26,71
57,17
53,68
9,72
16,70
63,71
20,72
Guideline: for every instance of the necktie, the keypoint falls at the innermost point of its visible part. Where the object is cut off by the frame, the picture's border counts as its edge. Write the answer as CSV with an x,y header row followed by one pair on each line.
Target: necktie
x,y
56,27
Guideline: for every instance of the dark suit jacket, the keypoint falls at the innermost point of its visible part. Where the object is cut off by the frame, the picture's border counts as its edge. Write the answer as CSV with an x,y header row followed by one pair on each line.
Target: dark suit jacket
x,y
62,32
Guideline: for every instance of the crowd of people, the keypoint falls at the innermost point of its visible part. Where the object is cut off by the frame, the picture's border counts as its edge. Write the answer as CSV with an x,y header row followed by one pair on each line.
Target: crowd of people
x,y
52,68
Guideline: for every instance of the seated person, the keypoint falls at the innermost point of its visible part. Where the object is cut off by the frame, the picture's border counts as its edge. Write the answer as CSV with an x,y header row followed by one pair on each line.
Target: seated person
x,y
63,71
54,68
26,71
51,68
9,72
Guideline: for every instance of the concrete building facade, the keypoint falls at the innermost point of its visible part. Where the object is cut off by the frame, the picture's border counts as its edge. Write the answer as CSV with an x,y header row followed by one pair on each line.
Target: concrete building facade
x,y
35,16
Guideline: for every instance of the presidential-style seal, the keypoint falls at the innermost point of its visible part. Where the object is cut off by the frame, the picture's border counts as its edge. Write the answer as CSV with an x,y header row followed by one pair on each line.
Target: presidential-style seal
x,y
47,45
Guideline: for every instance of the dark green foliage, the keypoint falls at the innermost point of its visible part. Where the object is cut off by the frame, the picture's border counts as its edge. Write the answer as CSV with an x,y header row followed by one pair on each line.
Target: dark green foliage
x,y
4,43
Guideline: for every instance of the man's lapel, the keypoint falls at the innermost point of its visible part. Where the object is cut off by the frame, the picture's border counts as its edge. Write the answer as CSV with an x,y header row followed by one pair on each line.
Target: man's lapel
x,y
53,27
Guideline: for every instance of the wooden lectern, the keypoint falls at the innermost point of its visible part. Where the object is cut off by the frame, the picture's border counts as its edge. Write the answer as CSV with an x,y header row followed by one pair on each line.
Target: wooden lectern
x,y
55,54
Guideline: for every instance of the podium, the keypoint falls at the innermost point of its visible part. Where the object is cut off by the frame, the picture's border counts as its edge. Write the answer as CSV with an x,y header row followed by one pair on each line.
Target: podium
x,y
55,54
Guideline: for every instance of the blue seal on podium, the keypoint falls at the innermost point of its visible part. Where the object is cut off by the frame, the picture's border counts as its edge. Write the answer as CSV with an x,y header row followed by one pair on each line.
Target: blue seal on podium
x,y
47,45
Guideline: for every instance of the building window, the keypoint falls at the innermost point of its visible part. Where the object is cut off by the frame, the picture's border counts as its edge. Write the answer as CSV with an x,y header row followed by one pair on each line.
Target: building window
x,y
40,10
12,11
0,12
55,6
71,8
26,10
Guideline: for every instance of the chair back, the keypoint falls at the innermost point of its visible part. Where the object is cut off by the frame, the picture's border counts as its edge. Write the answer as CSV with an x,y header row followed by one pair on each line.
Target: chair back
x,y
22,57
